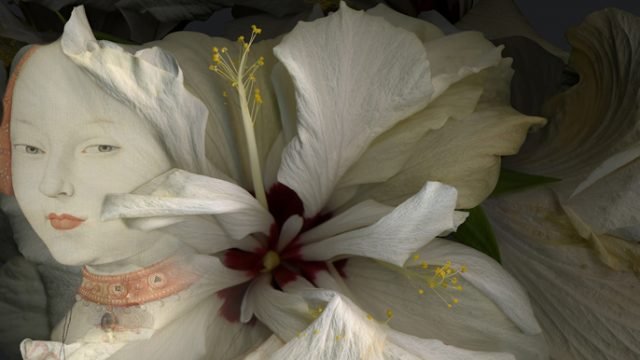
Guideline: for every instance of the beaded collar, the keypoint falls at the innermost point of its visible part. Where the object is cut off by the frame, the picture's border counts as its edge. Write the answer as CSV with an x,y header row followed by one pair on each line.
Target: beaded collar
x,y
158,281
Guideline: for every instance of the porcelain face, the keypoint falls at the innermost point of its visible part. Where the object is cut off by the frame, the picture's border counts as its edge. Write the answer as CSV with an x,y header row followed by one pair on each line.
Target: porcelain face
x,y
72,145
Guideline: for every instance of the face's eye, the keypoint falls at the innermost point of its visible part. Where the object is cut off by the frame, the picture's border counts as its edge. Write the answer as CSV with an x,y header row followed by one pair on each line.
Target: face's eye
x,y
28,149
102,148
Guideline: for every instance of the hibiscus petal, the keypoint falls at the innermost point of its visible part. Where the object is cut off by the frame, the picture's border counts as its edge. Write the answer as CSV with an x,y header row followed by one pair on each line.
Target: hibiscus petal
x,y
587,310
464,153
285,314
475,323
355,77
216,335
425,31
340,332
178,192
202,233
428,349
390,151
393,238
454,57
486,275
360,215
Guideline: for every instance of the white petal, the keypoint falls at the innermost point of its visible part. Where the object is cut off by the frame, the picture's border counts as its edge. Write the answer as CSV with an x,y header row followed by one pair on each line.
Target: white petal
x,y
487,276
475,323
266,349
290,229
610,165
202,233
178,192
355,77
464,153
425,31
360,215
429,349
393,238
390,151
341,332
285,314
454,57
587,310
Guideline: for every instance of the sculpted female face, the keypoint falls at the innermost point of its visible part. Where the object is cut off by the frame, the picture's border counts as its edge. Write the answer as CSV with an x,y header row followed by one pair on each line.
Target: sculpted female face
x,y
72,145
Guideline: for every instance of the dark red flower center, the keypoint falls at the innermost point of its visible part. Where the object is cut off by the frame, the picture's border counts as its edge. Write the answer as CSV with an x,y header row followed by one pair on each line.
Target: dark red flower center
x,y
286,264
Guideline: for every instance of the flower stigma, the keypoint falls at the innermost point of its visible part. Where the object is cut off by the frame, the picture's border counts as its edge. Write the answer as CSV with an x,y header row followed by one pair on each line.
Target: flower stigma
x,y
242,78
270,261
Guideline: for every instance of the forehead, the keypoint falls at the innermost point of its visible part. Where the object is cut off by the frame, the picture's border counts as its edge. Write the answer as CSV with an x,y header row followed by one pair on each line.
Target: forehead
x,y
51,87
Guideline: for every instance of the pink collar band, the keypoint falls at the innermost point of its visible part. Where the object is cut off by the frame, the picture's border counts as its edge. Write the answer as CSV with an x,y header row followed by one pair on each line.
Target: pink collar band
x,y
156,282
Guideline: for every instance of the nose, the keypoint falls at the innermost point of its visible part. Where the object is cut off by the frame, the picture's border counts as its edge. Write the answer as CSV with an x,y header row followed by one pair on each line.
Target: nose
x,y
55,181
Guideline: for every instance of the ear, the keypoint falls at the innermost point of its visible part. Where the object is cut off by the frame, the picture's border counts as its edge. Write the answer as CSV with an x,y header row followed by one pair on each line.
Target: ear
x,y
77,35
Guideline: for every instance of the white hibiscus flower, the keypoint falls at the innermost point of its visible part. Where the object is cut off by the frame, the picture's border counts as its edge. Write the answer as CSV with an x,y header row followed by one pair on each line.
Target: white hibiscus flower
x,y
370,135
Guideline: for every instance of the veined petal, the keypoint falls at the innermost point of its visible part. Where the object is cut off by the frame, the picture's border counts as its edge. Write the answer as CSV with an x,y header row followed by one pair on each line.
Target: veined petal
x,y
474,323
586,310
425,31
355,77
486,275
360,215
341,331
178,192
429,349
394,237
390,151
285,314
202,232
453,57
464,153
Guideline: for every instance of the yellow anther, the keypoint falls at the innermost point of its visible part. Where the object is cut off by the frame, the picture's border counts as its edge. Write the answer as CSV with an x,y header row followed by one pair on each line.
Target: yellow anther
x,y
241,39
389,313
421,291
270,261
424,265
255,29
449,306
455,300
369,317
463,269
454,280
416,257
260,60
224,93
213,68
224,50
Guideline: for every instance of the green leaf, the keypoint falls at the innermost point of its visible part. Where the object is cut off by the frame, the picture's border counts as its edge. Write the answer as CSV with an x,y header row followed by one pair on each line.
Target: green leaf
x,y
511,181
477,233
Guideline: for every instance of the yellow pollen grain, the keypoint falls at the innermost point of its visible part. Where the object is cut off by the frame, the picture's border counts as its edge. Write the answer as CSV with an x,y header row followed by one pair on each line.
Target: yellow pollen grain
x,y
389,313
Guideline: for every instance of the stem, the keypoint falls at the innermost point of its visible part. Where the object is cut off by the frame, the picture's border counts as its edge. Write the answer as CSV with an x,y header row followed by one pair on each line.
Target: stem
x,y
256,172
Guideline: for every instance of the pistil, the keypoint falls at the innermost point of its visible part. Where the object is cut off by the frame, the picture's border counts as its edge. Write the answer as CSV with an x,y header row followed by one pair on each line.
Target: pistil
x,y
242,79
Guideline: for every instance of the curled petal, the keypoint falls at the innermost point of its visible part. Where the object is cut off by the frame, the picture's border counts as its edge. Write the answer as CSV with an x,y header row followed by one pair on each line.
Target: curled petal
x,y
394,237
178,192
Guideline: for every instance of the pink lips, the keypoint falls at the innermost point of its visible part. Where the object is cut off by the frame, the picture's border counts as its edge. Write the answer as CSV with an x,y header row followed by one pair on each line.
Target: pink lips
x,y
64,221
